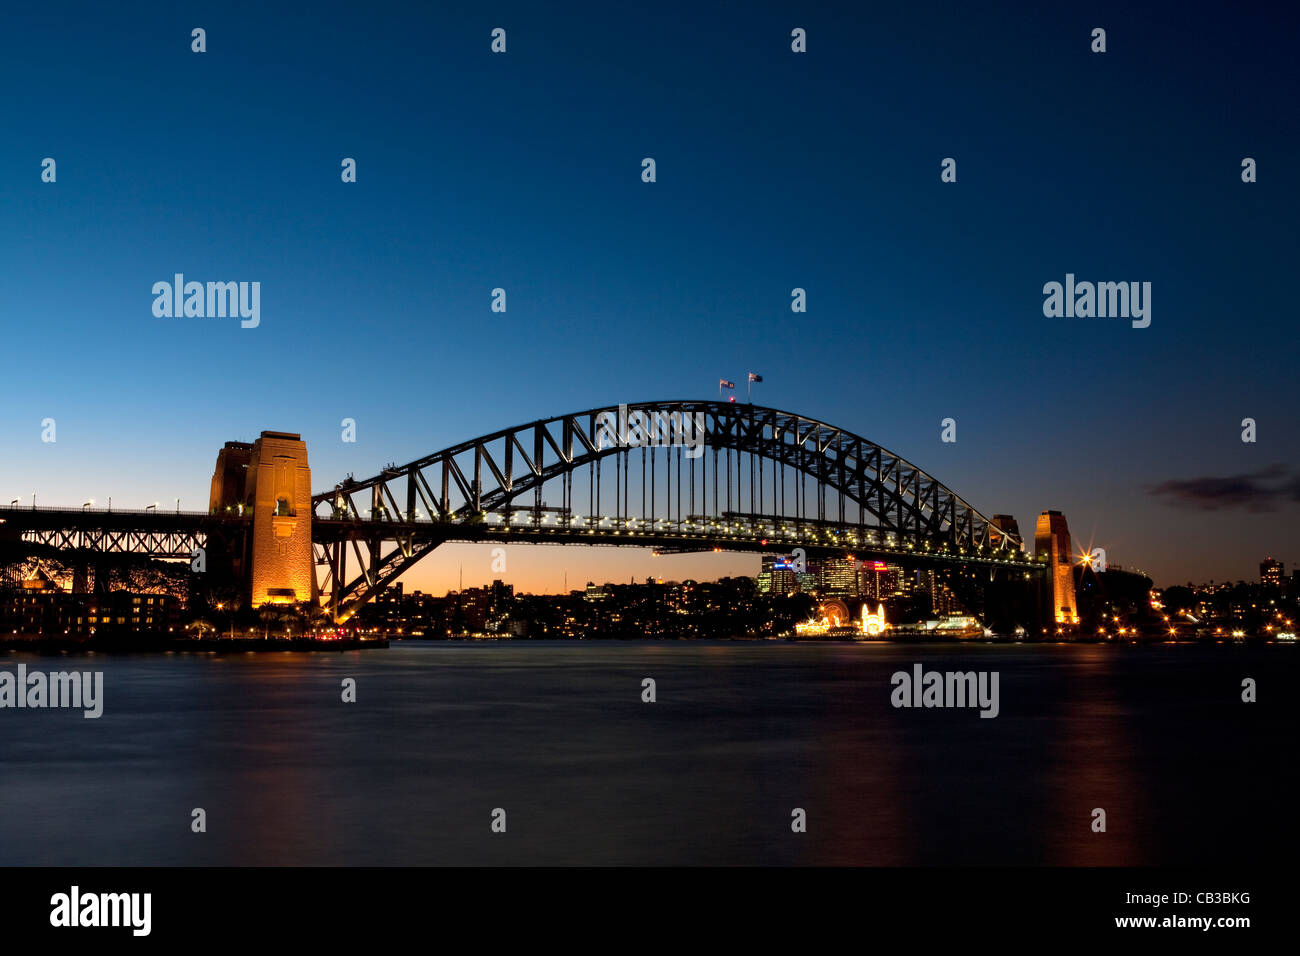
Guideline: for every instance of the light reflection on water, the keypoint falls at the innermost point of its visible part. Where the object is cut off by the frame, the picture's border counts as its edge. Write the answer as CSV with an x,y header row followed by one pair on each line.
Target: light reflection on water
x,y
557,735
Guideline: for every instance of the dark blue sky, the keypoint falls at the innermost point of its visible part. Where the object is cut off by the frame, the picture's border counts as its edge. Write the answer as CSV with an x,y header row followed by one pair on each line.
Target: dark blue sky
x,y
775,170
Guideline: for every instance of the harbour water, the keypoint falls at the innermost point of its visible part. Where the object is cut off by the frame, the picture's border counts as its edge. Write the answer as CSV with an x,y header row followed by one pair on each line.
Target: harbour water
x,y
740,734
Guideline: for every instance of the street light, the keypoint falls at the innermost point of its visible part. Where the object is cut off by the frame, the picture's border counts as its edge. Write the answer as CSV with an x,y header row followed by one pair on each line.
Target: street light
x,y
87,504
178,506
153,507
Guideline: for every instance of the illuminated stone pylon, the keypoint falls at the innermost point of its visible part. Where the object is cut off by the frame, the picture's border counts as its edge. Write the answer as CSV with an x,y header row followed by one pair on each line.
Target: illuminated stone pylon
x,y
271,481
1052,538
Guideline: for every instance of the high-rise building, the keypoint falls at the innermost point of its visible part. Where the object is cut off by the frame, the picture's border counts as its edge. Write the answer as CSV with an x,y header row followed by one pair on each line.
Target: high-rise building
x,y
878,580
777,575
1052,538
809,580
839,577
501,597
1271,573
475,604
942,599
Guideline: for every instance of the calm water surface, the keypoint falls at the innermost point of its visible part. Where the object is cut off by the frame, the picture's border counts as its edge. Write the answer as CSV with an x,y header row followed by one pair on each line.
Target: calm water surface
x,y
557,735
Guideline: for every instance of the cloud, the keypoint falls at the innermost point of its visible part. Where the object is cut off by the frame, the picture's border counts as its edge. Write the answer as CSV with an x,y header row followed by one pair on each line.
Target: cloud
x,y
1257,491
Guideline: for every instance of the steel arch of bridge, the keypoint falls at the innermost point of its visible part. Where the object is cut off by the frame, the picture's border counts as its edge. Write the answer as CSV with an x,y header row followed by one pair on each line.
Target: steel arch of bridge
x,y
863,497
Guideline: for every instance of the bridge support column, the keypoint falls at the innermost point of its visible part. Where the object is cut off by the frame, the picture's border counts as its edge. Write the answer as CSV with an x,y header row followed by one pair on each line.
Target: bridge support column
x,y
279,487
272,480
1052,538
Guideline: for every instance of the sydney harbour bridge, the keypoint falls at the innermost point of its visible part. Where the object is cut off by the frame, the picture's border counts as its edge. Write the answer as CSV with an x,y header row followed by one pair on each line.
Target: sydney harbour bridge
x,y
674,476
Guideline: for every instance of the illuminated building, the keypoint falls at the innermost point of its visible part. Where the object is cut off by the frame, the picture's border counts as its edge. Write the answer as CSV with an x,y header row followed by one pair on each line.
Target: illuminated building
x,y
777,575
1052,539
942,600
474,606
878,580
832,619
51,610
839,576
1271,573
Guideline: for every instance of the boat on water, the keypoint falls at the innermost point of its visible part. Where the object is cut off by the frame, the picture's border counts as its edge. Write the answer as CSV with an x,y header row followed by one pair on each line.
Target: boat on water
x,y
831,625
955,627
840,632
921,631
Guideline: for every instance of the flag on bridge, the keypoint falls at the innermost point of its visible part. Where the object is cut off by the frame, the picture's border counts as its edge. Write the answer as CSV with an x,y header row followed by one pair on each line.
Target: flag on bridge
x,y
754,377
723,383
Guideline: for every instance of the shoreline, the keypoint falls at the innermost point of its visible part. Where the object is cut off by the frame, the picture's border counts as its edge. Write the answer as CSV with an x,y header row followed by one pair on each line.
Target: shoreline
x,y
140,644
